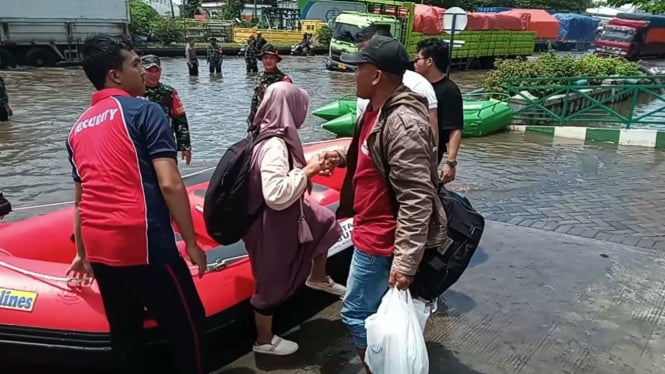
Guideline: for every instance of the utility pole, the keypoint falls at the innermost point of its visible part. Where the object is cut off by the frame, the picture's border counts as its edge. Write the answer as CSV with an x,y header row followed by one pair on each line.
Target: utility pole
x,y
172,11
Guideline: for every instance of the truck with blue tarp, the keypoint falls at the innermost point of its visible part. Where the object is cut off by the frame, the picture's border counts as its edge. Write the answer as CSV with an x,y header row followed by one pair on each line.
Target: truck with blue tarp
x,y
576,31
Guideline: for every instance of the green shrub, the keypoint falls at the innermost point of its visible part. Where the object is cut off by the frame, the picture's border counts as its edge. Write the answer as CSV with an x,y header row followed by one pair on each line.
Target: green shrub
x,y
142,16
168,30
550,65
324,36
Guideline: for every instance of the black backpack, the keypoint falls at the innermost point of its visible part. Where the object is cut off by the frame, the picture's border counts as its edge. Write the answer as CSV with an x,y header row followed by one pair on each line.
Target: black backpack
x,y
225,211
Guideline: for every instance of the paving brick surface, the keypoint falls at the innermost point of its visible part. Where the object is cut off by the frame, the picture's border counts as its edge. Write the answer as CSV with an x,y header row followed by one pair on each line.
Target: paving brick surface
x,y
531,302
589,190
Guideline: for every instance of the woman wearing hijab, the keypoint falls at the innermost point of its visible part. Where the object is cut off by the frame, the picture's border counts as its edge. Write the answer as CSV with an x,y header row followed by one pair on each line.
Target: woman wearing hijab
x,y
288,245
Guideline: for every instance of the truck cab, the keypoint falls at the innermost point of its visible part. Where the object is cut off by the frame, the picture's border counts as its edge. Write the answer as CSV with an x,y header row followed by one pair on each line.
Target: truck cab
x,y
632,38
616,40
345,29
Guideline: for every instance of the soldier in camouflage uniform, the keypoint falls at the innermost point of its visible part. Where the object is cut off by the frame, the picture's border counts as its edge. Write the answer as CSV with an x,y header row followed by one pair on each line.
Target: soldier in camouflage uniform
x,y
270,74
5,109
250,56
214,57
167,97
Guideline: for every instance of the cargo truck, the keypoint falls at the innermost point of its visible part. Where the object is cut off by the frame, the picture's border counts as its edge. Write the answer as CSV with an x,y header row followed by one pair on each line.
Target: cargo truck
x,y
633,36
479,49
47,33
576,32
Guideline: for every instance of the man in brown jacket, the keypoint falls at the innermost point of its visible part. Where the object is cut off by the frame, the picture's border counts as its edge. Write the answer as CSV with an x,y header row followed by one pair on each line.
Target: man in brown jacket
x,y
390,185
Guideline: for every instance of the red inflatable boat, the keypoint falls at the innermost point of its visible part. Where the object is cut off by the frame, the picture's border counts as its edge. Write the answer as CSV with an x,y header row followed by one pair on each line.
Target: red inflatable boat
x,y
41,312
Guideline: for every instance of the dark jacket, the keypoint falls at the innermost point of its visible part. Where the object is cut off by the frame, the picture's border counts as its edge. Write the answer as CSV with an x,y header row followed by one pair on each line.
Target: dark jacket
x,y
409,152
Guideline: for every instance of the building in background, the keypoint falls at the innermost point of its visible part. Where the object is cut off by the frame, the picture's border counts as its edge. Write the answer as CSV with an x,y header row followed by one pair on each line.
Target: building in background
x,y
163,7
215,7
606,13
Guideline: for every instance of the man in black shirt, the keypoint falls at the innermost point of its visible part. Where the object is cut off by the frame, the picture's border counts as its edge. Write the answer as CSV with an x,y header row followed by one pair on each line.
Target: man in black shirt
x,y
432,62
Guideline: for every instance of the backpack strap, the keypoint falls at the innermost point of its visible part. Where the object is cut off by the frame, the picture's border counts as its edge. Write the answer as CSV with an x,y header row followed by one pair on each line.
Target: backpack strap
x,y
256,140
386,170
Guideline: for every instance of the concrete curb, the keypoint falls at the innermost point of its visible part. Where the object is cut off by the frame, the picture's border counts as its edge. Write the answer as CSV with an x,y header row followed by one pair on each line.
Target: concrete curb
x,y
634,137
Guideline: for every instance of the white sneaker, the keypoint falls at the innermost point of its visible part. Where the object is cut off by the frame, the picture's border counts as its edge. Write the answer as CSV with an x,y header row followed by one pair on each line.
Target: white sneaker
x,y
278,347
330,287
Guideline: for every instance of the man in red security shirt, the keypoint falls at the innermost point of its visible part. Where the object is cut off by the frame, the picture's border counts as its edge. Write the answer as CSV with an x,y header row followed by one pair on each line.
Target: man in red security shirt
x,y
389,188
127,186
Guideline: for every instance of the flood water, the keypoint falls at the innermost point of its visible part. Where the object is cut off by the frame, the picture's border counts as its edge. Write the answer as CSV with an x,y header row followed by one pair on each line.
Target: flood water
x,y
33,161
46,102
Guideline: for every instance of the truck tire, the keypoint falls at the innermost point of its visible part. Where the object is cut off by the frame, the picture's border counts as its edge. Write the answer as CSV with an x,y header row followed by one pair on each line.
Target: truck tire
x,y
7,59
40,57
487,63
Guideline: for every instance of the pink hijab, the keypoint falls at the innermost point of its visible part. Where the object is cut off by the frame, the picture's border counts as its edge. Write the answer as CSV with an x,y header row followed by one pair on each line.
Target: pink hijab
x,y
283,111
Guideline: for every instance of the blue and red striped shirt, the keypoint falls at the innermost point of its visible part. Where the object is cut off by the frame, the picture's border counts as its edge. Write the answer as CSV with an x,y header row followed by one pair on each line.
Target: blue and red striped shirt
x,y
124,218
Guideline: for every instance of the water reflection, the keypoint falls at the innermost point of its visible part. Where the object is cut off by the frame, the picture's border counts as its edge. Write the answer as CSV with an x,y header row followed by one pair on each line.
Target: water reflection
x,y
46,102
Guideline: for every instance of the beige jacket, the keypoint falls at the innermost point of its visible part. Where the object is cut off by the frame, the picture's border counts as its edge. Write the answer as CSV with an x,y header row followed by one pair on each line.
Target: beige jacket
x,y
409,152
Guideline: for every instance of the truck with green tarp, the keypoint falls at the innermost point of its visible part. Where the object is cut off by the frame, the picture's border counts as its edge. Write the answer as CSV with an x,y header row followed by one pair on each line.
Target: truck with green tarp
x,y
481,45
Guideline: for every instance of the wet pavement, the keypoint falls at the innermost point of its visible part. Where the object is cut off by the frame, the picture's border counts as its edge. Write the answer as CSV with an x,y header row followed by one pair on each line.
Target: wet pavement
x,y
569,281
568,278
531,302
593,190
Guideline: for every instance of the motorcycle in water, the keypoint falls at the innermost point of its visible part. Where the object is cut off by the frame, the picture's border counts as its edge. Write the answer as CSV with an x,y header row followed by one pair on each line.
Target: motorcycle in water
x,y
301,49
304,48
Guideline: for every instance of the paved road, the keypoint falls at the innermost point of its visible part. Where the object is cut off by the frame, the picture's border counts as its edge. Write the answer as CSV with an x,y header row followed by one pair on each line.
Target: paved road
x,y
568,278
532,302
594,190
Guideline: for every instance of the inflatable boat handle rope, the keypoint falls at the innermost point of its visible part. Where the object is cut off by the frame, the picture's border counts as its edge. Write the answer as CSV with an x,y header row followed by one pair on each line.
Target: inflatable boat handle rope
x,y
214,267
31,207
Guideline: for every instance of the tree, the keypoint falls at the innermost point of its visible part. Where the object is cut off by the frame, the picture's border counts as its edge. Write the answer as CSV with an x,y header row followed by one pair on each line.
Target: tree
x,y
562,5
651,6
142,16
190,7
232,10
168,30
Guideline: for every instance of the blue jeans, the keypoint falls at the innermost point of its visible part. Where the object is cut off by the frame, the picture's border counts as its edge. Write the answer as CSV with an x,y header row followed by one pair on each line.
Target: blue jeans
x,y
367,283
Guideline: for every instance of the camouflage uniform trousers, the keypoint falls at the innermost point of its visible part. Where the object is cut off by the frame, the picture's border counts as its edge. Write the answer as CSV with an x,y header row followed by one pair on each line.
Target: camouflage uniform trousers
x,y
215,66
250,60
215,59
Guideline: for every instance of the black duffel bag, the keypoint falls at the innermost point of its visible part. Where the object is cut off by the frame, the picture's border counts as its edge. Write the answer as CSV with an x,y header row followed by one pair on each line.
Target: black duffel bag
x,y
441,267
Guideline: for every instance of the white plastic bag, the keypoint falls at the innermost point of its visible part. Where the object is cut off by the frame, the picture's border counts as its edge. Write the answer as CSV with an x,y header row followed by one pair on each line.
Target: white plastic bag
x,y
423,311
395,341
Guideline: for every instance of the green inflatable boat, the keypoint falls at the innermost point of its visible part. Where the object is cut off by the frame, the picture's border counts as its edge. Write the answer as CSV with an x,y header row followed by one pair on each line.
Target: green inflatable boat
x,y
485,117
337,108
481,117
342,125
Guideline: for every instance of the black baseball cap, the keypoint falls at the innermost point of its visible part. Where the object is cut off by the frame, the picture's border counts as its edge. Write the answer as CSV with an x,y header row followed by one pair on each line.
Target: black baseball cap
x,y
384,52
150,61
